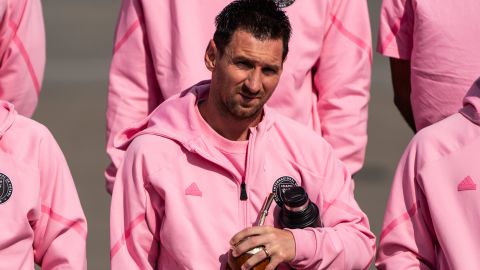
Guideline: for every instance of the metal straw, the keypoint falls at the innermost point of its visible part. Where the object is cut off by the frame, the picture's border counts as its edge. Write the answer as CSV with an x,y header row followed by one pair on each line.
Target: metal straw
x,y
264,211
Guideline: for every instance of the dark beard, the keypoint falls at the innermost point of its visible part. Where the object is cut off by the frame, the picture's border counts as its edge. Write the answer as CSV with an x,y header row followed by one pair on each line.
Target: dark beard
x,y
230,110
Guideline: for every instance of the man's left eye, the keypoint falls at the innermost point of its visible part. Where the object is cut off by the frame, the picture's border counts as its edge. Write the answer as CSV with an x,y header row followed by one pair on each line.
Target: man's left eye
x,y
269,71
243,65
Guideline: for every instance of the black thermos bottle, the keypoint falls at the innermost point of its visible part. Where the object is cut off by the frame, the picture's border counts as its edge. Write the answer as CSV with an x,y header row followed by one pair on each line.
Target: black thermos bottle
x,y
298,211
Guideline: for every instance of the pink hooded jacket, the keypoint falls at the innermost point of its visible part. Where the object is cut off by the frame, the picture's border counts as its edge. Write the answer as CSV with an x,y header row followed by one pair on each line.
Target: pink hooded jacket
x,y
159,51
42,220
22,53
432,216
440,38
176,204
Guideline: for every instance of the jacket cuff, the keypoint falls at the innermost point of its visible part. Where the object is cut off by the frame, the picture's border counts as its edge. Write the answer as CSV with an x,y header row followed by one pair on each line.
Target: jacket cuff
x,y
313,245
305,246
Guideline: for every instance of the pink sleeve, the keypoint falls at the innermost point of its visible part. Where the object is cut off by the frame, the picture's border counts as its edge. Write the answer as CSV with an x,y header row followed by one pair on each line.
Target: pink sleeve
x,y
61,232
395,34
133,91
133,222
342,80
406,239
22,51
345,241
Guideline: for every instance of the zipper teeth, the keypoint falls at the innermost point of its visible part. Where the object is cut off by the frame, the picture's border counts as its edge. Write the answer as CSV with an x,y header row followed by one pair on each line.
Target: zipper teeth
x,y
247,171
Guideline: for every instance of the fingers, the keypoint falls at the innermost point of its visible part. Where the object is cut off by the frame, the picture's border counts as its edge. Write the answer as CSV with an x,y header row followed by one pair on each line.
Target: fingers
x,y
248,232
275,244
274,262
253,259
259,259
262,259
249,239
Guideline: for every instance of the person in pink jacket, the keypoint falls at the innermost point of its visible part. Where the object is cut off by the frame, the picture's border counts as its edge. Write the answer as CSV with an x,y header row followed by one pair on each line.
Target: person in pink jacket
x,y
22,53
432,216
159,46
42,221
434,56
197,170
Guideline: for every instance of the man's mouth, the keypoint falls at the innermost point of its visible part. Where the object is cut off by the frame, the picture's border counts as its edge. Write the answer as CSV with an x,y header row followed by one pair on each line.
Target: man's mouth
x,y
249,96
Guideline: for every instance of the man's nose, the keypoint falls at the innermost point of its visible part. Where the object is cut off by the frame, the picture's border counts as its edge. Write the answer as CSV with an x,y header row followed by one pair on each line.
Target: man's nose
x,y
254,80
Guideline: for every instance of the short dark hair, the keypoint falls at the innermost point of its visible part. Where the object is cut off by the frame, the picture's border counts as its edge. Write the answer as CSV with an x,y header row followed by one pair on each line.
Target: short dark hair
x,y
261,18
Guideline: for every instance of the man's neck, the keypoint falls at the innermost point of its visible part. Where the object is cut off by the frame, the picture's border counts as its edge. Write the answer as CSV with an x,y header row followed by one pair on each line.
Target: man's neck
x,y
228,127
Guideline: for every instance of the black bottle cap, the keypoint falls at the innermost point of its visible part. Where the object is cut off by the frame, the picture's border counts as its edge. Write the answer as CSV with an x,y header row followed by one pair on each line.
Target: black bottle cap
x,y
295,197
293,216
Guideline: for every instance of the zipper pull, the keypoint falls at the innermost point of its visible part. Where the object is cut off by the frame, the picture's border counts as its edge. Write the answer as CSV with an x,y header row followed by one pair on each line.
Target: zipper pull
x,y
243,192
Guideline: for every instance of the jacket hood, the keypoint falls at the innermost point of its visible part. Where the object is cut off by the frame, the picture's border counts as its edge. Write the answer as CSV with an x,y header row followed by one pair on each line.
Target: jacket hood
x,y
174,119
471,103
7,116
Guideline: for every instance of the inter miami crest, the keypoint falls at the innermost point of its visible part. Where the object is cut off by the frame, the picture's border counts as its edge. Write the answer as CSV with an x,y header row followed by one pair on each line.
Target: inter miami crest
x,y
6,188
280,186
284,3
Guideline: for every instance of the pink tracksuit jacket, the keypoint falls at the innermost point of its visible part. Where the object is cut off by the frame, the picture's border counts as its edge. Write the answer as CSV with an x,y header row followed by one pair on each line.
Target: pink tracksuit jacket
x,y
41,220
22,53
176,204
440,38
159,51
433,213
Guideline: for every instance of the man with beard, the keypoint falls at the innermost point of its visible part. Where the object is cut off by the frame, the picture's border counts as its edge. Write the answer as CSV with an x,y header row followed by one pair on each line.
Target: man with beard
x,y
197,170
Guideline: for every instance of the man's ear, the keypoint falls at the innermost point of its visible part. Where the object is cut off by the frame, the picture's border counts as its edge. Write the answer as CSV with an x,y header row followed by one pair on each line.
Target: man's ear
x,y
210,54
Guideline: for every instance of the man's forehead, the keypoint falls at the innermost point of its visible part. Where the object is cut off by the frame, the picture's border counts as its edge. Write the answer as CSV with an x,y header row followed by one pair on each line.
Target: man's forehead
x,y
245,35
245,44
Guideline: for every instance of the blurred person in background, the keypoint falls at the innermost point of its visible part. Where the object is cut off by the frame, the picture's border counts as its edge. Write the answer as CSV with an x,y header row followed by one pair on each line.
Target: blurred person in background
x,y
325,84
22,53
431,220
434,55
42,221
196,172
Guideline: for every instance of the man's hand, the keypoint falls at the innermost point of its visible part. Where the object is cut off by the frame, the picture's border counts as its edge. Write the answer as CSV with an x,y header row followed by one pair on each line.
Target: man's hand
x,y
278,244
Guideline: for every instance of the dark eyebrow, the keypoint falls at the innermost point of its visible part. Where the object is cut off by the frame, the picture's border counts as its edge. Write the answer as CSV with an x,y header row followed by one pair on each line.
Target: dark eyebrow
x,y
273,67
245,59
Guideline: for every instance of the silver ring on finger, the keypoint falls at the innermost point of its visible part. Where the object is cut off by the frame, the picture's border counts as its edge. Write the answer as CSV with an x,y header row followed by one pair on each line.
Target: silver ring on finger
x,y
266,252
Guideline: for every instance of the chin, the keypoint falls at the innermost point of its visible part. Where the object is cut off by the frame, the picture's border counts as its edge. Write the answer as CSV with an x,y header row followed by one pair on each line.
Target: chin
x,y
244,114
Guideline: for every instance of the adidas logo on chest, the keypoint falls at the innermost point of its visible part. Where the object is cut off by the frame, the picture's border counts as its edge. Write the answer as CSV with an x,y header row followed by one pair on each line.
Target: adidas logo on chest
x,y
467,184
